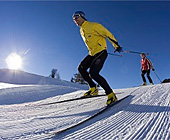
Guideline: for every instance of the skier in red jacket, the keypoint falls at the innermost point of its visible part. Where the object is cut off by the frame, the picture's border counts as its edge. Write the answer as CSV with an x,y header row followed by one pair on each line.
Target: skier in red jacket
x,y
146,65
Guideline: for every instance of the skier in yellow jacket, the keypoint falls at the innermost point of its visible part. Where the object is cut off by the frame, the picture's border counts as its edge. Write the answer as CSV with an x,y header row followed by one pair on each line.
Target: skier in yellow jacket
x,y
94,36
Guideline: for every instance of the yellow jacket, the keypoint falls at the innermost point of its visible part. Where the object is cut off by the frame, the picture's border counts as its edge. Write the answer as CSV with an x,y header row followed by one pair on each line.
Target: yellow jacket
x,y
94,36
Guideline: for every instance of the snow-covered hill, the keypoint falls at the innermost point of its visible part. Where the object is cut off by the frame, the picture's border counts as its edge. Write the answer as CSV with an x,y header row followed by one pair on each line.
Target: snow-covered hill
x,y
145,114
25,78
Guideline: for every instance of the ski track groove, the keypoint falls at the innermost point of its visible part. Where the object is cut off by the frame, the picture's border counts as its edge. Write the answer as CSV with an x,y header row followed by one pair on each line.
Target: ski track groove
x,y
151,125
117,124
135,117
160,126
39,123
86,136
160,123
141,132
105,131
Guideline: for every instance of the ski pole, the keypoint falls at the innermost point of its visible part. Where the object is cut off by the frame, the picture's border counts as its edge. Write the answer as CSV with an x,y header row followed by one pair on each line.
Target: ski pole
x,y
115,54
157,76
134,52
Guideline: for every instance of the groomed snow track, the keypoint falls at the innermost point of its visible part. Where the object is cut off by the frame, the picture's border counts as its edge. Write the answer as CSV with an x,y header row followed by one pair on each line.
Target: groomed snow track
x,y
145,114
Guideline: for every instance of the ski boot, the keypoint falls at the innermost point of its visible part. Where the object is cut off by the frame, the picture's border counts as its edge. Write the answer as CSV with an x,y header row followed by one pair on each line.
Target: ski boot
x,y
144,84
151,84
111,98
92,92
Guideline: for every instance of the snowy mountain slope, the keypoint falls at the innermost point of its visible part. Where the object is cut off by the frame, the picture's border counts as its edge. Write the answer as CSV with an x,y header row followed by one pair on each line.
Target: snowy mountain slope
x,y
23,94
25,78
143,115
26,87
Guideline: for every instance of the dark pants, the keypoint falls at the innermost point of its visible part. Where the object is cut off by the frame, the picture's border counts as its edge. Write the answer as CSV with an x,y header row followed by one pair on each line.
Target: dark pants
x,y
95,63
148,75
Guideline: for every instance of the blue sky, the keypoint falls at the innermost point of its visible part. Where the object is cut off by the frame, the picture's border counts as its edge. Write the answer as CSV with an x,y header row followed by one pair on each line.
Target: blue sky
x,y
46,37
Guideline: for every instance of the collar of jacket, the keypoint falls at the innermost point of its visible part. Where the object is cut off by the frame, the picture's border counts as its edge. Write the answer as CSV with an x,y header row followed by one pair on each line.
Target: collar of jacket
x,y
84,24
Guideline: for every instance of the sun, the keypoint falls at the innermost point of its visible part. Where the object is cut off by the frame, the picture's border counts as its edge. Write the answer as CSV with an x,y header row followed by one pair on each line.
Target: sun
x,y
14,61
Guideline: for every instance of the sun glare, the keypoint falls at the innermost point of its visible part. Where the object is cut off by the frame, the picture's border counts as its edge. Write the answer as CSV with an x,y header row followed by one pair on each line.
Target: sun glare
x,y
14,61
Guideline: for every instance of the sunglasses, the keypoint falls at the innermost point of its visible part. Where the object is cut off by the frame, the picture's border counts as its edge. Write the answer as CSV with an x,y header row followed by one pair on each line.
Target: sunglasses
x,y
76,17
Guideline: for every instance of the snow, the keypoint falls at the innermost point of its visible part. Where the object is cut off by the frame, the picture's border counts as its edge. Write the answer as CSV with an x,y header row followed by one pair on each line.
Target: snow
x,y
145,114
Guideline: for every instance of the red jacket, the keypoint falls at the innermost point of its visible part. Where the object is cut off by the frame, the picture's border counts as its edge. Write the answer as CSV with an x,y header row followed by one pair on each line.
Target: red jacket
x,y
146,64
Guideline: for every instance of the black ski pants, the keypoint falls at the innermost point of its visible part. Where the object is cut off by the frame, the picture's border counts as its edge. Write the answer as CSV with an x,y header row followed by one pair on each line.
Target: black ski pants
x,y
94,64
148,75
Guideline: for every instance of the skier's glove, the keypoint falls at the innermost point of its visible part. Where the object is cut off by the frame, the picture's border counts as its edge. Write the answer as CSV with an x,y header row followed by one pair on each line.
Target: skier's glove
x,y
118,49
153,69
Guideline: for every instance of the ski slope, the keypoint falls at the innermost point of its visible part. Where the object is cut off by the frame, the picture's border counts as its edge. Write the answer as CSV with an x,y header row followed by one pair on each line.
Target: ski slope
x,y
145,114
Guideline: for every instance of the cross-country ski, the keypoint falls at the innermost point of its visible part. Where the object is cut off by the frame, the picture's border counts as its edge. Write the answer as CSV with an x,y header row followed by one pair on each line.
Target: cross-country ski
x,y
79,98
